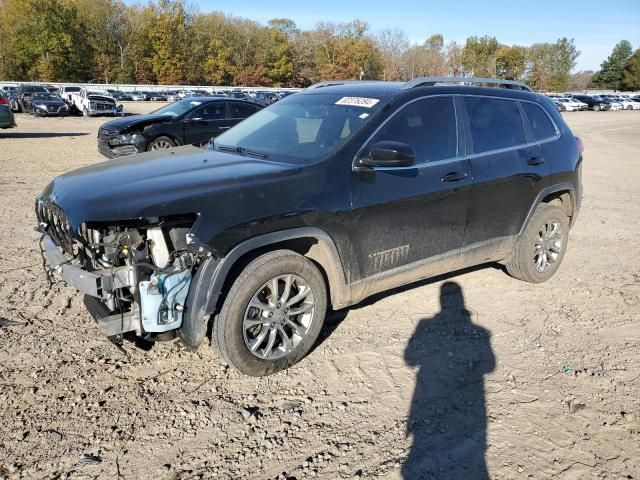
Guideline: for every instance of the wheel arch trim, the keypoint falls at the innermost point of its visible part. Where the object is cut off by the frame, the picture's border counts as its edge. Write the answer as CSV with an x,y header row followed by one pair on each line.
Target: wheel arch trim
x,y
209,280
558,187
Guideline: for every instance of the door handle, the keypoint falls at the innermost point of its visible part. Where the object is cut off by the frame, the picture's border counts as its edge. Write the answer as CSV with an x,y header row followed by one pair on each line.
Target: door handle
x,y
535,161
454,177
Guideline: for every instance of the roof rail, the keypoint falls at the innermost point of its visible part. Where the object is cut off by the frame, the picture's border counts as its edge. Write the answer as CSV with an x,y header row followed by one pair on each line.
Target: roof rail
x,y
331,83
431,81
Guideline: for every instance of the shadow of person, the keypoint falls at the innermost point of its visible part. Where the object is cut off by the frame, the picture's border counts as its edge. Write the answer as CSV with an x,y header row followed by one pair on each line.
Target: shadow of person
x,y
447,419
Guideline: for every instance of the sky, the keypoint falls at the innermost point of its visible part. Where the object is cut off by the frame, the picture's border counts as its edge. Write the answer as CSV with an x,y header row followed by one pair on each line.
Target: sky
x,y
596,26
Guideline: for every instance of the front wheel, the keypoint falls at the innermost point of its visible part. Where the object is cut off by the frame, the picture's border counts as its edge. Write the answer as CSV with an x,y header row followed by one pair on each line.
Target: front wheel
x,y
272,315
161,143
540,248
596,108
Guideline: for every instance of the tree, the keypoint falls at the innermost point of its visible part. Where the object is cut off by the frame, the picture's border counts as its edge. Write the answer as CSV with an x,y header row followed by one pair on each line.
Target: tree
x,y
549,64
479,56
510,62
581,80
610,74
631,72
170,41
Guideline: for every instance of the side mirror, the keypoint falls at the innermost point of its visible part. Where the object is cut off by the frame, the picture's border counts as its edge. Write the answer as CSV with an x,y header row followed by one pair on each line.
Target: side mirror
x,y
388,154
194,119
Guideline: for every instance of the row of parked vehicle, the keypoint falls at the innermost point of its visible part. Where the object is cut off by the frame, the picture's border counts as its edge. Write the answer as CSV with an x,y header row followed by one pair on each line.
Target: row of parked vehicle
x,y
570,102
261,97
43,101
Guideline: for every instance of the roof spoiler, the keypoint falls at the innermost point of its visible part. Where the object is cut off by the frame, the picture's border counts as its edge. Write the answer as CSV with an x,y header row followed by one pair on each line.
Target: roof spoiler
x,y
433,81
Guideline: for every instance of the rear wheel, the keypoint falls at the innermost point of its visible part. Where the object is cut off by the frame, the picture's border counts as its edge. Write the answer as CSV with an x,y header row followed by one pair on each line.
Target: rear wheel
x,y
161,143
272,315
596,108
540,248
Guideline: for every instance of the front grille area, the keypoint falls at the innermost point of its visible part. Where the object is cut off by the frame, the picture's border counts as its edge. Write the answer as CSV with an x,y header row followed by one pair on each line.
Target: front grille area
x,y
107,132
55,222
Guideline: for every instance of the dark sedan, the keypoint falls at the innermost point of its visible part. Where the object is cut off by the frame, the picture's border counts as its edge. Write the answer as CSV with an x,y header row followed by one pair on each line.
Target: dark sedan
x,y
48,104
194,120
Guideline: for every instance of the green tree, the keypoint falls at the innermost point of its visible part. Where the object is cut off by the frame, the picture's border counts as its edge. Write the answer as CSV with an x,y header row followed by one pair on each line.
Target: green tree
x,y
631,72
479,56
511,62
549,65
610,74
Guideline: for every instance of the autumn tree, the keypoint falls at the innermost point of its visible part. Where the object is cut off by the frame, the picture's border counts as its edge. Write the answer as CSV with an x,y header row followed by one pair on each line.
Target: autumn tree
x,y
511,62
479,56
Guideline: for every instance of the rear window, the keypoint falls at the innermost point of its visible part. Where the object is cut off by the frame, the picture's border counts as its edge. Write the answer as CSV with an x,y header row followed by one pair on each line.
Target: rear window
x,y
495,123
539,121
242,110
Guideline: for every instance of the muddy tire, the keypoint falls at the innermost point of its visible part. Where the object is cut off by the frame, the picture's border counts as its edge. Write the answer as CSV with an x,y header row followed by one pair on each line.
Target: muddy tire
x,y
259,332
540,248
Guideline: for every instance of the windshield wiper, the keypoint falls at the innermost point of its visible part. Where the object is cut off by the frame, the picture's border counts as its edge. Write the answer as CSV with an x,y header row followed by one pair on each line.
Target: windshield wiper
x,y
241,150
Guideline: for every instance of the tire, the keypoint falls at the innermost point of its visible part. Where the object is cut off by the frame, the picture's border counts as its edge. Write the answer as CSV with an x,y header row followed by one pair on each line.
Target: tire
x,y
596,108
85,112
231,337
161,143
525,262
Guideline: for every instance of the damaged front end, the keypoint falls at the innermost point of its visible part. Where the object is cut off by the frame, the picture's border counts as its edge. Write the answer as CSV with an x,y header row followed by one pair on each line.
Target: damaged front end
x,y
135,274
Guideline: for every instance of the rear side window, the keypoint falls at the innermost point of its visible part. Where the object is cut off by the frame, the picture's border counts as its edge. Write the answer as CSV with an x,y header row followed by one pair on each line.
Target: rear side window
x,y
494,123
242,110
210,111
539,121
428,125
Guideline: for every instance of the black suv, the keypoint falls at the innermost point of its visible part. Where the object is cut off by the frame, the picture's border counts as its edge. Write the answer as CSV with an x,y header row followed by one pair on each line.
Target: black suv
x,y
324,198
593,102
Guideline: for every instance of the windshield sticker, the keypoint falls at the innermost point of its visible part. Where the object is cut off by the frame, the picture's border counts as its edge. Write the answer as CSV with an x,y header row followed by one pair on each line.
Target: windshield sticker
x,y
358,102
363,115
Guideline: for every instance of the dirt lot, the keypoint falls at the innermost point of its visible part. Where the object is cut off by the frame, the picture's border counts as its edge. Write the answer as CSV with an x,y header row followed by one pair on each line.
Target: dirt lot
x,y
525,381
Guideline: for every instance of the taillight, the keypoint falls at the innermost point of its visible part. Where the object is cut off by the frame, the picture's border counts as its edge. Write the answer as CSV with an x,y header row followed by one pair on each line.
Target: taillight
x,y
579,144
4,101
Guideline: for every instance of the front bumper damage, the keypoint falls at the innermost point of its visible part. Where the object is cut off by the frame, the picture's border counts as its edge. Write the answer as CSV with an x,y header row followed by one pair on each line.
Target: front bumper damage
x,y
99,288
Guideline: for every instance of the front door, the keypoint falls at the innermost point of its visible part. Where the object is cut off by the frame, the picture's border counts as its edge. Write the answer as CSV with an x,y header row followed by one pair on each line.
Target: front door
x,y
404,215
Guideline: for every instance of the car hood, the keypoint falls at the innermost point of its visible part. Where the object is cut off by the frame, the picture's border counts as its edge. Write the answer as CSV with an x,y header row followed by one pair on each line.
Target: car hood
x,y
58,103
101,98
124,123
183,180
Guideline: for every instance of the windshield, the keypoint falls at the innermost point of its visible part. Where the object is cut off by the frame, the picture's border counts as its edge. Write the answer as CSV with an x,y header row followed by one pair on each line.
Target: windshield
x,y
45,96
301,128
178,108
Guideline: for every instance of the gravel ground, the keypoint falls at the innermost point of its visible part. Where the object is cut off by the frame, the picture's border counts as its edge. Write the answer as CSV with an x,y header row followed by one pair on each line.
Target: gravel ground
x,y
523,381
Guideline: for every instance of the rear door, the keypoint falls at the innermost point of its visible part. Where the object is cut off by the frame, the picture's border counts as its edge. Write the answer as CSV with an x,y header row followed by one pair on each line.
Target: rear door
x,y
509,169
238,111
205,122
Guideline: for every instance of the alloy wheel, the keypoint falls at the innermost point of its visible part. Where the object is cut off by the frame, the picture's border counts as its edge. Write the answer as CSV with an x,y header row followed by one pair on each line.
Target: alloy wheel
x,y
278,317
547,246
161,145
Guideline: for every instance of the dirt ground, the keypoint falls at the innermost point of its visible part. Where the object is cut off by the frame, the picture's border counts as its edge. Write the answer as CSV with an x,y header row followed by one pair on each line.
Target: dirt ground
x,y
522,381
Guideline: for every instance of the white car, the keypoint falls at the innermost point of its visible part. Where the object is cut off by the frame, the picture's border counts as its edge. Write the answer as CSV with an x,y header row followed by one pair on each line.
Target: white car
x,y
95,102
627,103
581,105
566,105
185,93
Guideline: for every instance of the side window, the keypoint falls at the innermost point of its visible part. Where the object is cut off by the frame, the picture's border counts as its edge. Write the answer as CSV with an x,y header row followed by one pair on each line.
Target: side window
x,y
539,120
210,111
428,125
494,123
241,110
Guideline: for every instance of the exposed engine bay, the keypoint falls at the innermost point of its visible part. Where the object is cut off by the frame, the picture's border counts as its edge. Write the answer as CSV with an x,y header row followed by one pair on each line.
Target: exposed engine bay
x,y
138,272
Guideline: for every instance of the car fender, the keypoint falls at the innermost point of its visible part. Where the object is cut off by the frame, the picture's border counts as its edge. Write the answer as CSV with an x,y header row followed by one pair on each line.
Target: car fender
x,y
545,192
212,274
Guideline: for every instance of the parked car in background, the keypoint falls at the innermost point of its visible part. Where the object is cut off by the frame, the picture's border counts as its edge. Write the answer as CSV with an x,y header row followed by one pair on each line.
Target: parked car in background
x,y
94,102
7,119
66,93
3,98
594,103
48,104
627,102
157,97
580,104
265,98
613,105
138,96
185,93
121,96
565,104
193,120
173,97
239,95
23,96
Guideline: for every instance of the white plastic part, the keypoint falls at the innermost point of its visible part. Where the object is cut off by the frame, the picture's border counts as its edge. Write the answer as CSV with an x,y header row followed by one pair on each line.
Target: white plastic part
x,y
158,247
